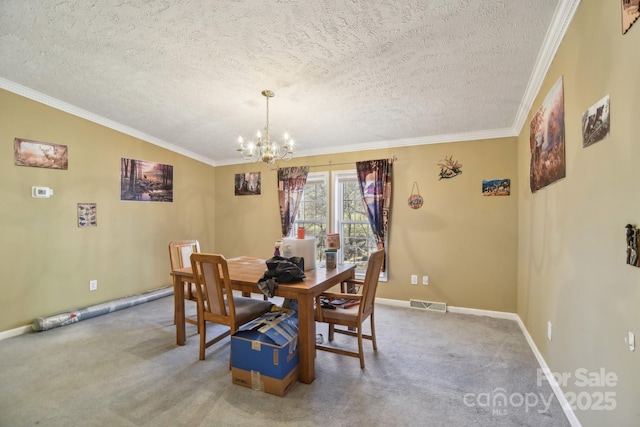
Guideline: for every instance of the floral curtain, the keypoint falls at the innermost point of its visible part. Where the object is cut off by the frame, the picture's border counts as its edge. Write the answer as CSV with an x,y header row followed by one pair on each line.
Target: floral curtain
x,y
374,177
291,183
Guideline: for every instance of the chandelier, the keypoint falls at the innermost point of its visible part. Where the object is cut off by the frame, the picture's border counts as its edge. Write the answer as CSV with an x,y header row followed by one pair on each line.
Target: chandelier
x,y
263,148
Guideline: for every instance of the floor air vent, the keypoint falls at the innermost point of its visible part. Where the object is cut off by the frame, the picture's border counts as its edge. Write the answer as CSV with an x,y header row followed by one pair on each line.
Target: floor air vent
x,y
428,305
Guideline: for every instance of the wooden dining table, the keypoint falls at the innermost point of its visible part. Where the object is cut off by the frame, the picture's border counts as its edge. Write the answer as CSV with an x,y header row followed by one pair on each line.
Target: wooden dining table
x,y
244,274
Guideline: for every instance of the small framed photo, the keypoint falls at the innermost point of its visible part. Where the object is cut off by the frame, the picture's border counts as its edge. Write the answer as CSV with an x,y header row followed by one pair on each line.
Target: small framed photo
x,y
496,187
247,184
87,215
596,123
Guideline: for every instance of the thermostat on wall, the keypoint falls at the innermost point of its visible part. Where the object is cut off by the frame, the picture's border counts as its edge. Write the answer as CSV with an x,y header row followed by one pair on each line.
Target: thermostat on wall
x,y
41,192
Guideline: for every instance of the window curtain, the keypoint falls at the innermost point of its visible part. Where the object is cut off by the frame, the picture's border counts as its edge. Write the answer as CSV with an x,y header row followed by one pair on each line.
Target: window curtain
x,y
374,178
291,183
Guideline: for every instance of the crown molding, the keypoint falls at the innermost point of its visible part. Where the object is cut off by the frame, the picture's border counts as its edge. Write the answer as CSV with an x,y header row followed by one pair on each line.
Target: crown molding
x,y
395,143
87,115
565,11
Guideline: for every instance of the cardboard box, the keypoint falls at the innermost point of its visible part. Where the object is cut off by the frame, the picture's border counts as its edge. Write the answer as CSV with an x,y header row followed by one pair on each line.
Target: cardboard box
x,y
264,383
264,353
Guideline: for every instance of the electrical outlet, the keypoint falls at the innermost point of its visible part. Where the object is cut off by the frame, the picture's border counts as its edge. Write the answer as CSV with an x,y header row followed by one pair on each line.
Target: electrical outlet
x,y
425,280
549,330
414,279
93,285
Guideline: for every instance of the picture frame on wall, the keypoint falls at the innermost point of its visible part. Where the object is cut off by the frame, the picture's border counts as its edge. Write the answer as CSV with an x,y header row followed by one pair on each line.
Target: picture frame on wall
x,y
630,12
547,140
87,215
145,181
247,184
596,123
496,187
38,154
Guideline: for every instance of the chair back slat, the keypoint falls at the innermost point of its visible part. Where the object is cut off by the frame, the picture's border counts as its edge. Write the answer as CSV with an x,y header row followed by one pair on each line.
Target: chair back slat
x,y
180,252
184,253
213,276
370,283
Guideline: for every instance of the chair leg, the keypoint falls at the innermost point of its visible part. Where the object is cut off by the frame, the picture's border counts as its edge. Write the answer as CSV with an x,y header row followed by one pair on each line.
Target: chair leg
x,y
203,336
198,319
373,333
331,331
360,350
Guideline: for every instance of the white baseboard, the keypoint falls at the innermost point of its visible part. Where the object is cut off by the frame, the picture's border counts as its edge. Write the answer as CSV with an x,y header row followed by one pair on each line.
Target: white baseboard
x,y
452,309
488,313
571,416
394,302
15,332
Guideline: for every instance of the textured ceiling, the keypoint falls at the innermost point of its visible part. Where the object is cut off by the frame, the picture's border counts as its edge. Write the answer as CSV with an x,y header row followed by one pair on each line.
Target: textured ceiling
x,y
347,74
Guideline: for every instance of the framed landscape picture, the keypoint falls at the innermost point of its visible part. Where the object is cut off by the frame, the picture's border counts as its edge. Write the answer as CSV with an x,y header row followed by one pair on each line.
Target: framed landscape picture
x,y
39,154
145,181
496,187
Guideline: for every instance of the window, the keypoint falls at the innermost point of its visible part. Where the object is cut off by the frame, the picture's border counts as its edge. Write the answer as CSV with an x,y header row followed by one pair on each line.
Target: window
x,y
350,220
313,213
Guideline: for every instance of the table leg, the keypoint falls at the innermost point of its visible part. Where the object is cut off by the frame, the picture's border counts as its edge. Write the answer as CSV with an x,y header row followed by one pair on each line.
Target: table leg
x,y
178,299
306,339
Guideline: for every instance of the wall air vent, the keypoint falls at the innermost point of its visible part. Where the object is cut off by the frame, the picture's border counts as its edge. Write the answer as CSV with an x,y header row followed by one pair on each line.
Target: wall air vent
x,y
428,305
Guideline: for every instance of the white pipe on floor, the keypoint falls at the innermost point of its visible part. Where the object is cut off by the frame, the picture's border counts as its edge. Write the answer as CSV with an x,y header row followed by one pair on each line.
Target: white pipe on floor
x,y
62,319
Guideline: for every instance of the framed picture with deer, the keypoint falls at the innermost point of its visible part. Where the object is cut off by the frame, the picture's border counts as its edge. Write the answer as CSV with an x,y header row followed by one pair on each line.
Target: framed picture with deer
x,y
37,154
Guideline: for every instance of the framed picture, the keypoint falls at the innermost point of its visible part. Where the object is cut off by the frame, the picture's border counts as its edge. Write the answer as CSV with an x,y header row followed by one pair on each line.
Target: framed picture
x,y
546,141
39,154
496,187
630,13
87,215
247,184
145,181
596,123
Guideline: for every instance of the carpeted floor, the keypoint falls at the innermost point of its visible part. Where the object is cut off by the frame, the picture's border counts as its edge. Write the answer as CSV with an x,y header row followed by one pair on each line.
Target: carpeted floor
x,y
124,369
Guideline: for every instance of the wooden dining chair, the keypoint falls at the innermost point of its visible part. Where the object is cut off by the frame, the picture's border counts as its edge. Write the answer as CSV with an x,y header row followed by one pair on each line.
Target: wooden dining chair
x,y
353,316
216,302
180,256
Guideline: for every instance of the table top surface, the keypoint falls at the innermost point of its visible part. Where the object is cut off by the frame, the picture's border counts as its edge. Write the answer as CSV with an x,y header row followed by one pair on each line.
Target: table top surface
x,y
247,270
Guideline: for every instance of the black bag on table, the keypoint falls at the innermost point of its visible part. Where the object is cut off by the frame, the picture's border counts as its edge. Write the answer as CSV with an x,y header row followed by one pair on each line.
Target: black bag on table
x,y
281,270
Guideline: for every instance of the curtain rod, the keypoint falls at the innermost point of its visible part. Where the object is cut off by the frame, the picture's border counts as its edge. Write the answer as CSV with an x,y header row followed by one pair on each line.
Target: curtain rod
x,y
337,164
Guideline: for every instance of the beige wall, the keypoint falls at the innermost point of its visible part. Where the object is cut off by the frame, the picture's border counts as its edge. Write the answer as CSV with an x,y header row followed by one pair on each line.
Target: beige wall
x,y
465,242
571,268
46,260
